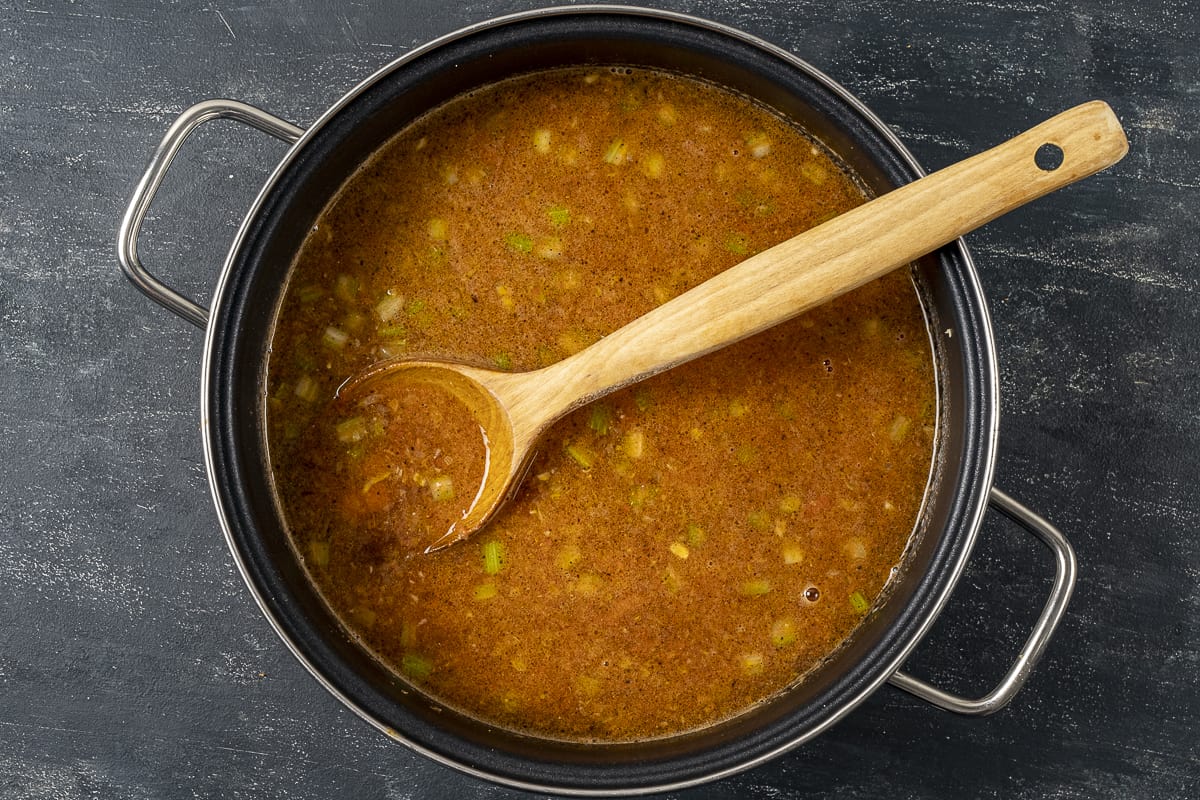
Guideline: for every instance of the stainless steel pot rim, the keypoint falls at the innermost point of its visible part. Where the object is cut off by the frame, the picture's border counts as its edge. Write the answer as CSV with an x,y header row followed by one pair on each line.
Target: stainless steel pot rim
x,y
973,288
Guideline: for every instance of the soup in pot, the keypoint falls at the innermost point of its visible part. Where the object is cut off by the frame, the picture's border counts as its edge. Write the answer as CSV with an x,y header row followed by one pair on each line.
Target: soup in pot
x,y
680,550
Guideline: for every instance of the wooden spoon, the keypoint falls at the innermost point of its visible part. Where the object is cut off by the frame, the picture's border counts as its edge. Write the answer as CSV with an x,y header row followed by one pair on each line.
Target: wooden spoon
x,y
858,246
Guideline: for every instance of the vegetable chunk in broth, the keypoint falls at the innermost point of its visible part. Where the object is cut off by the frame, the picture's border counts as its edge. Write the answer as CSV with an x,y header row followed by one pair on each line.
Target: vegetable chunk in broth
x,y
681,550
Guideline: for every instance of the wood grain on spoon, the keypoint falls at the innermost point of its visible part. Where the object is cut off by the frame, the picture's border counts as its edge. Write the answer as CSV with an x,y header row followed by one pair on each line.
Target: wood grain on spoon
x,y
775,285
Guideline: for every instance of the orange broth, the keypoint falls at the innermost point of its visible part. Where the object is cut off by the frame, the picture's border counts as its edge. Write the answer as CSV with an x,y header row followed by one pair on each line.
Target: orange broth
x,y
681,550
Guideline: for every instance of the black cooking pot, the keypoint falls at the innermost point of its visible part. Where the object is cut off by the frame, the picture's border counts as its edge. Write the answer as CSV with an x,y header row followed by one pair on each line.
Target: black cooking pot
x,y
249,292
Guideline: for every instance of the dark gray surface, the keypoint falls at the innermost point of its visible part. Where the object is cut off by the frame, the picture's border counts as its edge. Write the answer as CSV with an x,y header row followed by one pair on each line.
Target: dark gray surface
x,y
133,662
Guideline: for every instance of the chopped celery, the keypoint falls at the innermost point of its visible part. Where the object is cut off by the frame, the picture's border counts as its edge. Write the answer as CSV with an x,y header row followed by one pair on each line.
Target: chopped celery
x,y
352,430
415,666
642,494
393,348
441,488
616,153
335,337
696,535
783,632
393,332
672,580
503,361
815,172
506,297
653,165
559,214
752,663
858,602
899,427
790,504
601,419
307,389
679,550
759,144
548,247
756,587
582,456
437,228
759,520
541,140
855,548
310,294
641,398
622,467
792,553
567,557
738,244
666,114
759,205
346,288
738,407
634,444
520,242
568,280
493,557
589,584
408,635
485,591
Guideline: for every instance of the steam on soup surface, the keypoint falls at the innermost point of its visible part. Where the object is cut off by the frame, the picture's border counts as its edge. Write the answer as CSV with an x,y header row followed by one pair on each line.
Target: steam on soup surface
x,y
681,550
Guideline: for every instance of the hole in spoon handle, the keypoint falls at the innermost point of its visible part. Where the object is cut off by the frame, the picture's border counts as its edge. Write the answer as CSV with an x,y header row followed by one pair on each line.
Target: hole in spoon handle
x,y
1048,157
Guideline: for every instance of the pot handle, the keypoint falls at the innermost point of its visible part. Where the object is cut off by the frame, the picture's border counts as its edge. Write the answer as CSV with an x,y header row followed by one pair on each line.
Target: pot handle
x,y
1052,613
139,204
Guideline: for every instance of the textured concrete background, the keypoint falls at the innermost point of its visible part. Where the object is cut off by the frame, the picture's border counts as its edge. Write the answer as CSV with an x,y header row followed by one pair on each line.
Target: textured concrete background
x,y
134,663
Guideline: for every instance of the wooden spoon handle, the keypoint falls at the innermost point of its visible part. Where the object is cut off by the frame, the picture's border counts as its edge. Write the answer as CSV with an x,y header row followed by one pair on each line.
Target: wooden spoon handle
x,y
839,255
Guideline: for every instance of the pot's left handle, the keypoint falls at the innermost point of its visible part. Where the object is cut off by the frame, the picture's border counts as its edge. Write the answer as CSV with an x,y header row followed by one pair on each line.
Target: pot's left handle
x,y
139,204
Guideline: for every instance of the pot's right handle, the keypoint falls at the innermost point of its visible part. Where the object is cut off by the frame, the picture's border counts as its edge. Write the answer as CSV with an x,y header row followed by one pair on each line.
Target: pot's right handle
x,y
139,204
1052,613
